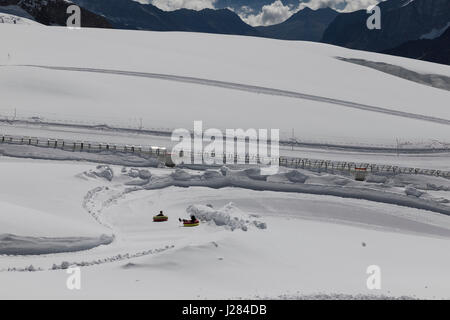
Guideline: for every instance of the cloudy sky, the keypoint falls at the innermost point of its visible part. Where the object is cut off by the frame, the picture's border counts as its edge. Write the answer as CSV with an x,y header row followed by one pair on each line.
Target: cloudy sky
x,y
262,12
277,12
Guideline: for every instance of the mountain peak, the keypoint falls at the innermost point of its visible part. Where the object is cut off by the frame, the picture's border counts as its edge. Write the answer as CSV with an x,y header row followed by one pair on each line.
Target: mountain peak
x,y
128,14
307,11
402,21
307,24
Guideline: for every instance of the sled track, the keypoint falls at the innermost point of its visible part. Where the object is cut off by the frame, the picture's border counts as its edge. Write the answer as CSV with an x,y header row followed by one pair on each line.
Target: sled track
x,y
251,88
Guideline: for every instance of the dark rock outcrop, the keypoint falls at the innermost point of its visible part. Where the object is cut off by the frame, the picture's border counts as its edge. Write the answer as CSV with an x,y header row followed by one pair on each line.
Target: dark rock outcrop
x,y
401,21
54,12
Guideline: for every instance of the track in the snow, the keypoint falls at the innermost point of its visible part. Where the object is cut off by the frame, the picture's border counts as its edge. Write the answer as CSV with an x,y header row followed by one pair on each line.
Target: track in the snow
x,y
251,88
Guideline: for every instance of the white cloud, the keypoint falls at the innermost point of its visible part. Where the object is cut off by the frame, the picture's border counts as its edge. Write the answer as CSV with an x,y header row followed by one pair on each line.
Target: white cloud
x,y
270,14
170,5
273,13
245,9
347,5
317,4
277,12
360,4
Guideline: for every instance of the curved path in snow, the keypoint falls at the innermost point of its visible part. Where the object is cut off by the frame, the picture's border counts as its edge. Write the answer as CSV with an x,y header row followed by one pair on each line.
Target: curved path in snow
x,y
251,88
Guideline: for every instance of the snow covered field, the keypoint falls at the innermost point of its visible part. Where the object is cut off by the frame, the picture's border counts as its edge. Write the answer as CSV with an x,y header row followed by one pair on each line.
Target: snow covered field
x,y
301,67
314,244
294,234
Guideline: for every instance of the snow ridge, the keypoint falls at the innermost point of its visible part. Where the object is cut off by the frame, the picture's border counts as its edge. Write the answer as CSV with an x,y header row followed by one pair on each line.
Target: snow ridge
x,y
253,180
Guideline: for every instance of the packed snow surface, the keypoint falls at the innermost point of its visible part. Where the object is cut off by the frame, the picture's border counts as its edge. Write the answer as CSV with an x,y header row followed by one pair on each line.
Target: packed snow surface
x,y
318,245
294,66
318,232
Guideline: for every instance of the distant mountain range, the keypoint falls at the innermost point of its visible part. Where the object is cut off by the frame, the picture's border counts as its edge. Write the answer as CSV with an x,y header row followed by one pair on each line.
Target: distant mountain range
x,y
307,24
404,23
434,50
401,21
129,14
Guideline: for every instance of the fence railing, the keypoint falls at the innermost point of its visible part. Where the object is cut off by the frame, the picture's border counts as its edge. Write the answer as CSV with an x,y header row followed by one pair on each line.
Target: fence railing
x,y
351,167
165,156
85,146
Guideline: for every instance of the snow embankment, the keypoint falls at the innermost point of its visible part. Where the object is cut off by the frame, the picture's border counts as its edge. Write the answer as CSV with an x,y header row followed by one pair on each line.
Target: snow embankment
x,y
20,236
101,171
11,244
229,216
295,181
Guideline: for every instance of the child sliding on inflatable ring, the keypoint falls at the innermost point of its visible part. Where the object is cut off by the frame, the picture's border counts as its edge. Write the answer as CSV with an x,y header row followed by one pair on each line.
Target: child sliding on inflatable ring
x,y
190,223
160,217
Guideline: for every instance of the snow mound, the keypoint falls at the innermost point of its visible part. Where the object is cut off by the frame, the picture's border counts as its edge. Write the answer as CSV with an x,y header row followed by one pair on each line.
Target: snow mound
x,y
212,174
143,174
372,178
11,244
101,171
182,175
229,216
296,176
421,182
410,191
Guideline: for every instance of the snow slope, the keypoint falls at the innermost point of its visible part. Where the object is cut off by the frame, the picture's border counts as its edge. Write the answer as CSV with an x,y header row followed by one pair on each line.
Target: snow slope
x,y
301,67
317,232
314,243
41,211
12,19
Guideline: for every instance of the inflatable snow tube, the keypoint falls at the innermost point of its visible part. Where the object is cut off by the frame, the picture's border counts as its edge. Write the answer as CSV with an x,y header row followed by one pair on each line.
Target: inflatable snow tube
x,y
160,218
191,223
